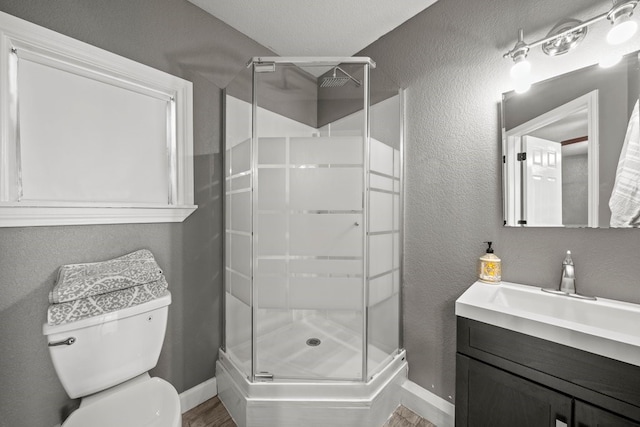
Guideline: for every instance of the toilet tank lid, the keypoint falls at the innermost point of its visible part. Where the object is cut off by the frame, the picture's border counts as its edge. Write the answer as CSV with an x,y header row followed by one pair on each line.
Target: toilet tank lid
x,y
154,304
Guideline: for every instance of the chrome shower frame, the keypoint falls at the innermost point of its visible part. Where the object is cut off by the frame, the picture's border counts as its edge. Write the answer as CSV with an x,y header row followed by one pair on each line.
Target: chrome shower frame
x,y
330,61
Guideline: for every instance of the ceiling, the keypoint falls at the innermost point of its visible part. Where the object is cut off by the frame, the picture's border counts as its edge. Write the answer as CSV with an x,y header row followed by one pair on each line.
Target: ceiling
x,y
572,126
314,28
568,127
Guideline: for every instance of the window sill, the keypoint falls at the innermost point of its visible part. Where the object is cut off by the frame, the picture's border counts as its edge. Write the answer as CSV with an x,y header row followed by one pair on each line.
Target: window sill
x,y
33,216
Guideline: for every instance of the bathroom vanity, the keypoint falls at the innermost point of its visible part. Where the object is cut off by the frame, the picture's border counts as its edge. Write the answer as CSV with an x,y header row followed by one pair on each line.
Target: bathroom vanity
x,y
526,358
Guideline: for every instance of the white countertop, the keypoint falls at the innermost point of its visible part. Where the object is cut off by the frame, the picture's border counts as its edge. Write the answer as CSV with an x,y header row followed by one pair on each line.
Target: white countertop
x,y
606,327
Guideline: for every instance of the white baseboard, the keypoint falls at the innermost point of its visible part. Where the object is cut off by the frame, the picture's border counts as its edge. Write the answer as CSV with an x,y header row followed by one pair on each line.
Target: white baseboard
x,y
198,394
427,405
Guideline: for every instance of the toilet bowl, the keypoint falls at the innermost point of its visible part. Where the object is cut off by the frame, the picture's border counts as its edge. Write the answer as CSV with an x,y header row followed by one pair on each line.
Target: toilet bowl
x,y
149,402
105,360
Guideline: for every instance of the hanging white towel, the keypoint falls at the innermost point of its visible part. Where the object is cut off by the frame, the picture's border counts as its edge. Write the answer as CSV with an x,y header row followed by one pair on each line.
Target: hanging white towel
x,y
625,197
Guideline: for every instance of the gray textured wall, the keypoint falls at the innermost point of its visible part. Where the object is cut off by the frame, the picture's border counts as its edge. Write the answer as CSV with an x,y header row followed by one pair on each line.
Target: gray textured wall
x,y
450,59
177,37
575,198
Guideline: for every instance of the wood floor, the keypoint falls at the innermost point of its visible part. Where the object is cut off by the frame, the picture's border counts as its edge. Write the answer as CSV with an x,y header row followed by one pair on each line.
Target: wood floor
x,y
208,414
404,417
213,414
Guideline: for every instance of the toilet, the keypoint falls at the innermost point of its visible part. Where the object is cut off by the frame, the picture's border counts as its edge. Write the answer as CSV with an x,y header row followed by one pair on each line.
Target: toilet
x,y
105,361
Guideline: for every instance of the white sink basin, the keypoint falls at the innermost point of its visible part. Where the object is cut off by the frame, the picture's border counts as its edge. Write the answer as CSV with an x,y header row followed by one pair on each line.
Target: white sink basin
x,y
606,327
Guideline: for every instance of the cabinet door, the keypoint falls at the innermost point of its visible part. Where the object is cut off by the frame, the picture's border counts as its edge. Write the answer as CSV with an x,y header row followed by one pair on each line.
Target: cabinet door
x,y
589,416
488,396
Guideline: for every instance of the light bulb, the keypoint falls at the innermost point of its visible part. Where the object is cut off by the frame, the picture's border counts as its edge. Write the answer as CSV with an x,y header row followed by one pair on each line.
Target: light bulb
x,y
610,60
521,86
521,70
623,29
521,75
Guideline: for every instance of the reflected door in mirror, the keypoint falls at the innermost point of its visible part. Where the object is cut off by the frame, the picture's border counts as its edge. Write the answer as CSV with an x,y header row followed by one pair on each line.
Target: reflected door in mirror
x,y
543,183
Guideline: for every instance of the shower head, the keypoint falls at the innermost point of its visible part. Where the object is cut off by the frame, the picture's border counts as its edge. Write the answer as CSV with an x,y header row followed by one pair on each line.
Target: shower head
x,y
334,81
338,81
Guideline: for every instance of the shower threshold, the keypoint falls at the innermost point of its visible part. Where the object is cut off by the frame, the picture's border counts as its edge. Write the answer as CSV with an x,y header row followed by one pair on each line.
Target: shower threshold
x,y
292,403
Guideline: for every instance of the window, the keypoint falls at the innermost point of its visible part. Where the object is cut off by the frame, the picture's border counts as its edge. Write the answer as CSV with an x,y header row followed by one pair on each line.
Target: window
x,y
89,137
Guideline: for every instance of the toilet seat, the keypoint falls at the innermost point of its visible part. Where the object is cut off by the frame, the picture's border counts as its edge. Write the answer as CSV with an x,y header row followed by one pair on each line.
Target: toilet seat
x,y
151,402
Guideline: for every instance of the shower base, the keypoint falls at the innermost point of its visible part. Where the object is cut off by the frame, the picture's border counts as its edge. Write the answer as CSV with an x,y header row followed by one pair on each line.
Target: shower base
x,y
296,403
311,348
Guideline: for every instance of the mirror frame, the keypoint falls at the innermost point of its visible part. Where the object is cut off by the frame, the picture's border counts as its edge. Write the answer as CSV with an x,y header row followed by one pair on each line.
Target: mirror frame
x,y
620,82
515,206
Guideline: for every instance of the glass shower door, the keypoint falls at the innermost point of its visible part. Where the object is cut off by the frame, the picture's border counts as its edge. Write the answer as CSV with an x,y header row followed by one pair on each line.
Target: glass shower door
x,y
238,223
385,225
308,228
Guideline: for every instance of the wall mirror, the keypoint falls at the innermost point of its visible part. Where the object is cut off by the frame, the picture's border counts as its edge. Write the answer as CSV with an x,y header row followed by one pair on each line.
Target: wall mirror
x,y
571,150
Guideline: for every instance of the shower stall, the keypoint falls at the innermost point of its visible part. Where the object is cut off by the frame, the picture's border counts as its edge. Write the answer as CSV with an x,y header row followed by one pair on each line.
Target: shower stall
x,y
313,242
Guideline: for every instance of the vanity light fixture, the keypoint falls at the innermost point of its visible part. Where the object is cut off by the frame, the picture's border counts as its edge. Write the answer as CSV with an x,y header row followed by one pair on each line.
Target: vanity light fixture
x,y
521,70
567,35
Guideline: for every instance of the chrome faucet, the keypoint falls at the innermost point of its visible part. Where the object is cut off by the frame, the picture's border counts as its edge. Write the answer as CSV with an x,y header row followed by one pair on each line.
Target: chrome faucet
x,y
568,280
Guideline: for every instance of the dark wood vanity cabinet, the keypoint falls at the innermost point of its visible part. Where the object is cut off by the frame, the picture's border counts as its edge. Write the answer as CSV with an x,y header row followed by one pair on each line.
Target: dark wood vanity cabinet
x,y
499,399
587,415
505,378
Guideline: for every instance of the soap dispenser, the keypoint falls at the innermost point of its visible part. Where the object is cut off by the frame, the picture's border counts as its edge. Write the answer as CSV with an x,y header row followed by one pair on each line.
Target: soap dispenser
x,y
489,267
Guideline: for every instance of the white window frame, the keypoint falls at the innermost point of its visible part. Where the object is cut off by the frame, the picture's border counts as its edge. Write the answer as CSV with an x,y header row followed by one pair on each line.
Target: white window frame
x,y
19,37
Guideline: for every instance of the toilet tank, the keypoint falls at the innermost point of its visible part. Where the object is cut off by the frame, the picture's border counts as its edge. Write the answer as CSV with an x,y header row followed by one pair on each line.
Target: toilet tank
x,y
108,349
